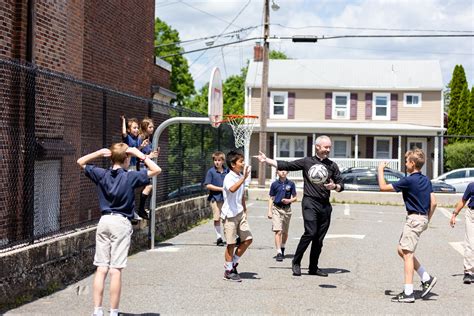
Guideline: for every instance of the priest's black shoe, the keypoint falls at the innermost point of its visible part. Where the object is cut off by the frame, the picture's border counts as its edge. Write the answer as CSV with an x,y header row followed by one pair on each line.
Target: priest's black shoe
x,y
318,272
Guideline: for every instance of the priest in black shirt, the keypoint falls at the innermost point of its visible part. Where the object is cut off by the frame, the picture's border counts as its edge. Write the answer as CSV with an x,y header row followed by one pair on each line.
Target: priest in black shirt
x,y
316,206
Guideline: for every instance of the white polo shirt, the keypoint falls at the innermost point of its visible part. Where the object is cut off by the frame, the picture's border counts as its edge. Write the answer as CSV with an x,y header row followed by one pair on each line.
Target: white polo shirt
x,y
232,201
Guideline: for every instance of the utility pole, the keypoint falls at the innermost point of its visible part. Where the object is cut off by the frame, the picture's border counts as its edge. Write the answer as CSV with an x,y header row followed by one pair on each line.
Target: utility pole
x,y
264,108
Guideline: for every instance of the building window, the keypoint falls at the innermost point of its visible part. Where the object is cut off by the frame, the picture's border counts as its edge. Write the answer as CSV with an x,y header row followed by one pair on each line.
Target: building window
x,y
341,147
292,146
381,106
278,104
47,194
383,147
340,105
412,100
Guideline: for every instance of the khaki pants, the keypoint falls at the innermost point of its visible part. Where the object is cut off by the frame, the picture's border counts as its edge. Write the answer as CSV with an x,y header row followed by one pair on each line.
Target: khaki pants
x,y
469,240
414,226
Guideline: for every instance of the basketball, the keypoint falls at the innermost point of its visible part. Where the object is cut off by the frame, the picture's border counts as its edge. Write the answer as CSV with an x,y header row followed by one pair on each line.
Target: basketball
x,y
318,173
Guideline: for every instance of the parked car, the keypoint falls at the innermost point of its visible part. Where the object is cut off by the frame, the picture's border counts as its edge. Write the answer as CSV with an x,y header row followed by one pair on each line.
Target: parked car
x,y
187,190
458,178
365,179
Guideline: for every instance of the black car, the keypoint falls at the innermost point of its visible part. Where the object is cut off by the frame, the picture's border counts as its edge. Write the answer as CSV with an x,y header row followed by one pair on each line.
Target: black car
x,y
365,179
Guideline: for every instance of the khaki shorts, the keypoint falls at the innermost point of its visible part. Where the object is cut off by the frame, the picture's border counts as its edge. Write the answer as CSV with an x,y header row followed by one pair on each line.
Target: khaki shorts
x,y
216,207
236,226
281,219
414,226
112,252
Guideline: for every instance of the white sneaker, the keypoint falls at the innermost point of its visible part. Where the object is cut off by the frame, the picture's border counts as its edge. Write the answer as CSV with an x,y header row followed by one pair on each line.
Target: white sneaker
x,y
136,216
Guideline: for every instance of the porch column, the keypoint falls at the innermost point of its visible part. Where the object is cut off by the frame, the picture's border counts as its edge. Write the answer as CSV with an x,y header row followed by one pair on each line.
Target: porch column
x,y
436,155
313,152
399,153
356,147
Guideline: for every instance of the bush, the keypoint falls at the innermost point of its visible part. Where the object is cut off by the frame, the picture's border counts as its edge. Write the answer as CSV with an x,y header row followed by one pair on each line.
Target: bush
x,y
459,155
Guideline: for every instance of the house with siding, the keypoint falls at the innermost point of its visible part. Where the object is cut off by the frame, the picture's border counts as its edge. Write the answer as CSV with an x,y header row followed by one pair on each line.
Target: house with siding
x,y
373,110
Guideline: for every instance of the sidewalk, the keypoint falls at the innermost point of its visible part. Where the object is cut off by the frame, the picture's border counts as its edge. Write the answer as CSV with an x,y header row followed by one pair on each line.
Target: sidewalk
x,y
183,276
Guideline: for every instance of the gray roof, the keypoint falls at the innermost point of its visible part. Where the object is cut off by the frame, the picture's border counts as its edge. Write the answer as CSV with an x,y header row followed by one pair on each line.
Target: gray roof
x,y
355,74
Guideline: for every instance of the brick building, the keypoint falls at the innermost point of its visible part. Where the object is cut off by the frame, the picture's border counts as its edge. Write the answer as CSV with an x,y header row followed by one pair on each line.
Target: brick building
x,y
50,120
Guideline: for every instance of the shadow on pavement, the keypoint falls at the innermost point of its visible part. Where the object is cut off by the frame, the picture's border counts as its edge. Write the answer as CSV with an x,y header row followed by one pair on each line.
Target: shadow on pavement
x,y
335,270
249,275
327,286
417,293
142,314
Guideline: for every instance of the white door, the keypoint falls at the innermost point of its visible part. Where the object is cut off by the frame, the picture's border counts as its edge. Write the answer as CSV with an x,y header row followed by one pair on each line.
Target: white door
x,y
420,143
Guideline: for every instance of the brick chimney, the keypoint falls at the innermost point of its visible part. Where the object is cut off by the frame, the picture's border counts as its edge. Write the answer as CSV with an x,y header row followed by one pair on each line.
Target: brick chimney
x,y
258,52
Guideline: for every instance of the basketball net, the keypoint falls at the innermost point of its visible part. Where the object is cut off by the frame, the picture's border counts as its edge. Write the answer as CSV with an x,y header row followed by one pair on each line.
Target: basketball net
x,y
242,126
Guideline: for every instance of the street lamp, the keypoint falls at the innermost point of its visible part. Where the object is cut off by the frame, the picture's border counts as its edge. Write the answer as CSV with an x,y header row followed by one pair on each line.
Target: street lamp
x,y
264,89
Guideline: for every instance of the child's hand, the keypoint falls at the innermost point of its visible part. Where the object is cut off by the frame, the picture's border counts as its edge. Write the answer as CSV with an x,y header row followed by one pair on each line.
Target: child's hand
x,y
154,154
122,117
269,214
383,165
285,201
145,142
261,157
247,171
106,152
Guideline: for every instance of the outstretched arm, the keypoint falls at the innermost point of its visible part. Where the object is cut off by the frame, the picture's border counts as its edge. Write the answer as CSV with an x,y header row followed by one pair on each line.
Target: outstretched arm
x,y
104,152
153,168
263,158
384,187
124,126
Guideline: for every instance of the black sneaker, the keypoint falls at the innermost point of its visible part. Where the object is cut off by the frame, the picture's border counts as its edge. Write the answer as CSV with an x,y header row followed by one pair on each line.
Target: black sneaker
x,y
296,268
283,252
143,214
279,257
231,276
427,286
467,278
234,268
220,242
403,298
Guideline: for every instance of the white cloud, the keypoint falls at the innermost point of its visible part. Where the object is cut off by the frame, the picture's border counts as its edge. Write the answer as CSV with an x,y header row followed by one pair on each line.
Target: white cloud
x,y
391,14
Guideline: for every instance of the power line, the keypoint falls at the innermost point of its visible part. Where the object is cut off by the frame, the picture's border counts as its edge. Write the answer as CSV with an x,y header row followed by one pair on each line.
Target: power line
x,y
214,16
369,28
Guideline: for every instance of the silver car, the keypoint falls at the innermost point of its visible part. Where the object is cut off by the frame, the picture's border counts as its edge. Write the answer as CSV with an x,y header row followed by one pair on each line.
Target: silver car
x,y
458,178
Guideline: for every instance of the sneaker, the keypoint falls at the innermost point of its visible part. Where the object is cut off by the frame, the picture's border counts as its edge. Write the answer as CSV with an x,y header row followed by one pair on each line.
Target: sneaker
x,y
279,257
141,214
234,269
136,216
317,272
220,242
427,286
467,278
231,276
296,268
403,298
283,252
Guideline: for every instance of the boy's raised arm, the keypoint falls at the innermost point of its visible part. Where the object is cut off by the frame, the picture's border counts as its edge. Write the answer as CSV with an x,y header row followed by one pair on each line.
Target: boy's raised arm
x,y
384,187
104,152
153,168
124,126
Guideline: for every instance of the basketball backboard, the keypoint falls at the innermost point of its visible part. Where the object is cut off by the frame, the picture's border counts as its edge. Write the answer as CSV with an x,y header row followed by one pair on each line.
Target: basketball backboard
x,y
215,98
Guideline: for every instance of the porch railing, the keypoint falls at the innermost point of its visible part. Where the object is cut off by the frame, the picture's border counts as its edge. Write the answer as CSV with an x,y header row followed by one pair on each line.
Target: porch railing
x,y
343,163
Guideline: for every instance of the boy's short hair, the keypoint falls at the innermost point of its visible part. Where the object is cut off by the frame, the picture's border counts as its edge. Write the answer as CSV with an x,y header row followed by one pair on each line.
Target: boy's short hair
x,y
130,121
417,156
119,153
218,154
232,157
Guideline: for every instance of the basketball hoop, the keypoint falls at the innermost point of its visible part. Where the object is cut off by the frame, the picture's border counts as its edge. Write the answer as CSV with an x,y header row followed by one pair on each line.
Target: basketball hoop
x,y
242,126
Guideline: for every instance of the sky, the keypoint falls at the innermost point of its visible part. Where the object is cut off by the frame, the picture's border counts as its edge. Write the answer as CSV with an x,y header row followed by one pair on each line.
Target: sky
x,y
196,19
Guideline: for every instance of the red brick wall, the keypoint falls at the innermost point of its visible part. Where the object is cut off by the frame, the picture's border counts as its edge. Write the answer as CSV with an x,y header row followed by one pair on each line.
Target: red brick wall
x,y
161,77
13,17
118,44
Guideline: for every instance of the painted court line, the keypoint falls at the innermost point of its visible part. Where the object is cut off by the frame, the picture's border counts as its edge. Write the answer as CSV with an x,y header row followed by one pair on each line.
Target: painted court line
x,y
458,246
347,210
448,213
165,249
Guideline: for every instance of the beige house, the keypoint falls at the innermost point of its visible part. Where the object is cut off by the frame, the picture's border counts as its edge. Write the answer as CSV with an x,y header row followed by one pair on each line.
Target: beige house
x,y
374,110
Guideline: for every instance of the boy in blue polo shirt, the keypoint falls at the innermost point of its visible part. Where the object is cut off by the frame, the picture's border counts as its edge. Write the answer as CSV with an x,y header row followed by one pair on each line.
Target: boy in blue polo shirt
x,y
469,236
115,187
420,204
282,194
214,183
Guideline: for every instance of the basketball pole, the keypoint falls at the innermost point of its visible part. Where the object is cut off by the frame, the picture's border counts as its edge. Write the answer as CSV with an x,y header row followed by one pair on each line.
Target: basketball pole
x,y
156,137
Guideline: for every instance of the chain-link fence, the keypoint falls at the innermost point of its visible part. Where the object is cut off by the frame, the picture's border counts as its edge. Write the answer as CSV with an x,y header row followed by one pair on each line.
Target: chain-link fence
x,y
49,120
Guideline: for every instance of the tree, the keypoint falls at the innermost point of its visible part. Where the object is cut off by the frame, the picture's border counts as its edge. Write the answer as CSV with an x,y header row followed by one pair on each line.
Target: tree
x,y
463,112
165,44
274,54
457,85
459,155
470,130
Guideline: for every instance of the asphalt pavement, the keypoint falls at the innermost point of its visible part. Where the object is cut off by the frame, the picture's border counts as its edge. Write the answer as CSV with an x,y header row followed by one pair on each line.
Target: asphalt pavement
x,y
183,275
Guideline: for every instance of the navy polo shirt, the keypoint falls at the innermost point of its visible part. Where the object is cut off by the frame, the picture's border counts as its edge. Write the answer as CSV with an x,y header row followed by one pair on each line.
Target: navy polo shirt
x,y
216,178
116,188
132,142
282,190
469,195
416,190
